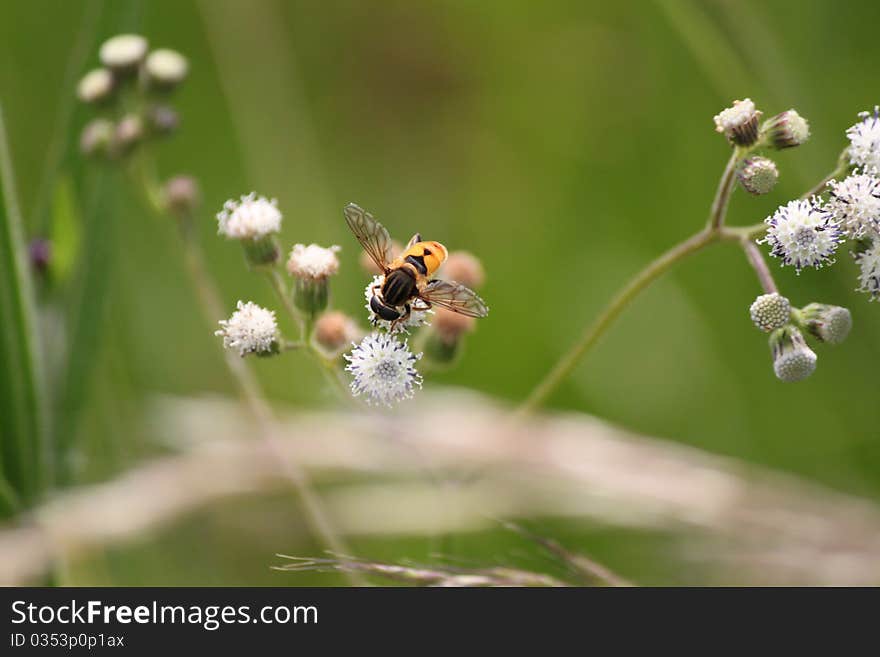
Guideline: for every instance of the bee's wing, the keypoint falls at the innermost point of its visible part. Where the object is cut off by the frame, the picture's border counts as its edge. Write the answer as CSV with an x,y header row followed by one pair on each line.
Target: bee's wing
x,y
456,297
370,233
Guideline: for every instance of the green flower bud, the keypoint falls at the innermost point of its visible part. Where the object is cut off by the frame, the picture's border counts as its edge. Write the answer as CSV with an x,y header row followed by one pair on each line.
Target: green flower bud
x,y
827,323
261,251
793,360
758,175
770,312
785,130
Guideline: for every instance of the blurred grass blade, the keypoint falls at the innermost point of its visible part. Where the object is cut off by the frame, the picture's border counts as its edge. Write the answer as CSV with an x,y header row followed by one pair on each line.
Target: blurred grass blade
x,y
23,425
66,230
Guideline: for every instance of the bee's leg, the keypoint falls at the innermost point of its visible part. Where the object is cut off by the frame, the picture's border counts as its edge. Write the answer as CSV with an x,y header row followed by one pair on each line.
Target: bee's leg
x,y
407,311
428,305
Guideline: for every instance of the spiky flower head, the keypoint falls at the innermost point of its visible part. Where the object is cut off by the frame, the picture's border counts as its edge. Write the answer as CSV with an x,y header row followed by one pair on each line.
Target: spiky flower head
x,y
383,369
252,217
758,175
785,130
313,262
123,52
864,138
165,68
802,234
419,316
827,323
770,311
739,123
95,86
868,259
855,204
251,330
793,360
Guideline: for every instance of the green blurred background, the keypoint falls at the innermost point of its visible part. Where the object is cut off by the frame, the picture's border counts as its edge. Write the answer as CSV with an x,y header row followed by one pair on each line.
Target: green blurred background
x,y
565,143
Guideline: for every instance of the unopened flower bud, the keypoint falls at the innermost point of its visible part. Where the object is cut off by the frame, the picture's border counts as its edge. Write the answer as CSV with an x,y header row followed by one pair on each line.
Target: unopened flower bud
x,y
770,312
163,119
129,132
785,130
739,123
827,323
793,360
311,266
40,252
124,52
758,175
165,69
97,137
181,195
443,343
335,331
465,268
96,86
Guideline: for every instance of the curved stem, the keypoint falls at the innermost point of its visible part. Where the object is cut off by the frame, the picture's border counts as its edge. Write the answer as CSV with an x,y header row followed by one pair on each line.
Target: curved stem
x,y
756,260
620,301
725,188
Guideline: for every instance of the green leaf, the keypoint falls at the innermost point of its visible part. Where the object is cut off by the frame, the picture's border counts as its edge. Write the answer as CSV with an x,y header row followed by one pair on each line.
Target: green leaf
x,y
24,449
66,232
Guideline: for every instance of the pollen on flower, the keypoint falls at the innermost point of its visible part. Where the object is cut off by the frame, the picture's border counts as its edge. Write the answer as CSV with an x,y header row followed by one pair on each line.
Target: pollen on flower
x,y
253,217
313,262
419,315
770,312
739,123
855,204
802,234
383,369
864,138
251,330
869,269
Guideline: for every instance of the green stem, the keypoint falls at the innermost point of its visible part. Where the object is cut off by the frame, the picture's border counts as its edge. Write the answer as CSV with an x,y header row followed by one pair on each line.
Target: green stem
x,y
617,304
718,213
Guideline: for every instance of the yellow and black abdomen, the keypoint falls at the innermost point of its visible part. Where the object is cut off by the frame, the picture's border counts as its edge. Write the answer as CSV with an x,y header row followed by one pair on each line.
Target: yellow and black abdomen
x,y
399,286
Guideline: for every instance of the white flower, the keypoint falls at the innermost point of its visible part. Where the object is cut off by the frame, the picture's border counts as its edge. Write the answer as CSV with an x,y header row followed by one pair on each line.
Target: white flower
x,y
251,329
793,360
313,261
855,203
124,51
95,86
250,218
869,266
864,137
417,317
166,67
384,369
802,234
739,122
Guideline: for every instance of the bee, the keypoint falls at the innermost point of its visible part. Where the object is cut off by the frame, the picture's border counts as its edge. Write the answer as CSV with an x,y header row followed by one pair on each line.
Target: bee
x,y
407,284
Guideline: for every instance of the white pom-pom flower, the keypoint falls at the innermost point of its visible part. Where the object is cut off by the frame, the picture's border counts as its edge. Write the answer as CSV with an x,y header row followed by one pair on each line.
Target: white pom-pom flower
x,y
793,360
864,138
313,262
869,269
770,311
383,369
855,203
251,330
802,234
419,316
124,51
251,218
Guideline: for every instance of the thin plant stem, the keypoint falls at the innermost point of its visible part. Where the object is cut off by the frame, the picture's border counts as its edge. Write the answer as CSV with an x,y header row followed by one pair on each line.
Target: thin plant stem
x,y
606,318
756,260
718,213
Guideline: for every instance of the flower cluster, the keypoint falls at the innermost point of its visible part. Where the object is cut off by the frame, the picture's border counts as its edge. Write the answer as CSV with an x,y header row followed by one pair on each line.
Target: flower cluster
x,y
251,330
131,89
806,233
